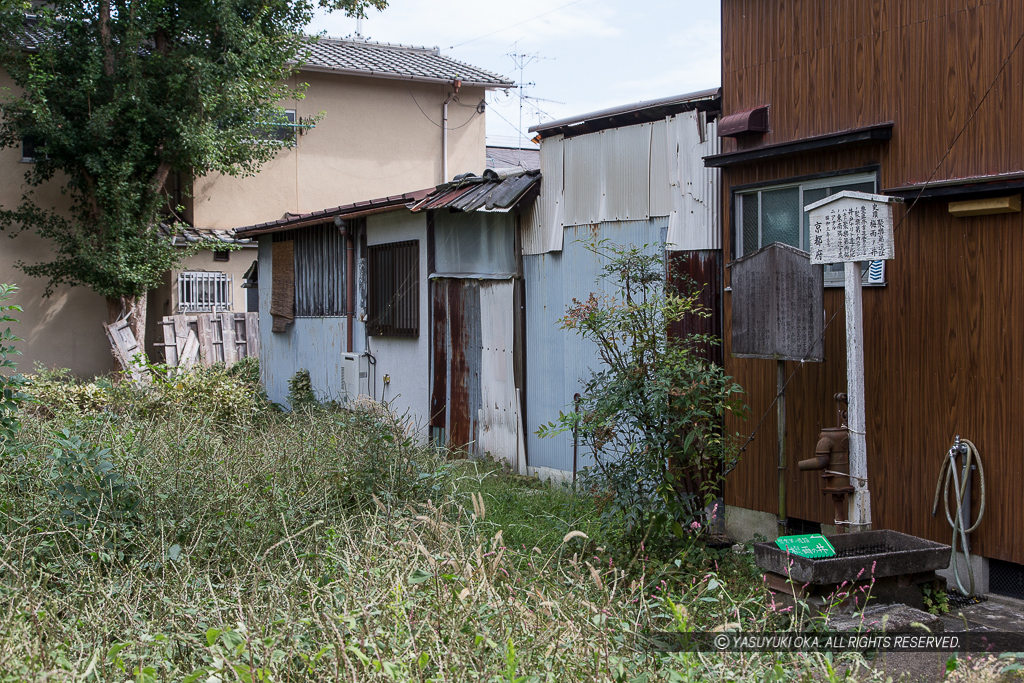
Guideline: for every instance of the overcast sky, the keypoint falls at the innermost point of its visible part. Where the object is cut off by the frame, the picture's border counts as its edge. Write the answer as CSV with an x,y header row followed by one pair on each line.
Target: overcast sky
x,y
585,55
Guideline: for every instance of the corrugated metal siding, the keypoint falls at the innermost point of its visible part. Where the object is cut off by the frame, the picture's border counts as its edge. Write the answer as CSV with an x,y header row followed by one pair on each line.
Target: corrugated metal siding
x,y
625,173
660,182
694,222
582,187
543,231
558,361
498,423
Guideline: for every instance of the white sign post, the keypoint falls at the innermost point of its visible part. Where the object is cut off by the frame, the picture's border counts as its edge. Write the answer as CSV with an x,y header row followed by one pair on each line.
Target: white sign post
x,y
851,227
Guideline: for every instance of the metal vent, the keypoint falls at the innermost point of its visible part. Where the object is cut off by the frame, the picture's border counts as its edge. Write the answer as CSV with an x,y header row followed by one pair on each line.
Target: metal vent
x,y
1006,578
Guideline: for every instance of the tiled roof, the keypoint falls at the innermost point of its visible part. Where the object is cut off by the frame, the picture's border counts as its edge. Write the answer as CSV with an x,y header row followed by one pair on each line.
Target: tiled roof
x,y
359,57
362,57
183,234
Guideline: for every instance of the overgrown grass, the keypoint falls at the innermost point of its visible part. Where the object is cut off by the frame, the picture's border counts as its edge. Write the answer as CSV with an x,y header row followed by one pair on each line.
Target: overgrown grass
x,y
327,545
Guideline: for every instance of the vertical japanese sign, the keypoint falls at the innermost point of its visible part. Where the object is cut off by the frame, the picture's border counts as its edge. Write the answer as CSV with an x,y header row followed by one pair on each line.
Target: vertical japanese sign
x,y
850,227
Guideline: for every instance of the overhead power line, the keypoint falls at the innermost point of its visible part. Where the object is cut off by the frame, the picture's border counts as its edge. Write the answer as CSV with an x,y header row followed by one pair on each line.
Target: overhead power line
x,y
524,21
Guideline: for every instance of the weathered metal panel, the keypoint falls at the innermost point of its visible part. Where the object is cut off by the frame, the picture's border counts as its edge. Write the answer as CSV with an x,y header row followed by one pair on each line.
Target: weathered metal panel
x,y
558,361
777,305
694,222
703,270
582,179
660,176
543,232
498,424
545,366
625,173
439,353
463,372
307,345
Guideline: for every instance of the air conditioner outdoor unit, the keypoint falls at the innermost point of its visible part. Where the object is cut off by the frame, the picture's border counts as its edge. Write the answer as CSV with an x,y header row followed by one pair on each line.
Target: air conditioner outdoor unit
x,y
355,375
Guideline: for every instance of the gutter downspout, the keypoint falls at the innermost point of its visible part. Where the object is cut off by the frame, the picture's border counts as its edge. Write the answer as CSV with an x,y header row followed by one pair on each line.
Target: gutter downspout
x,y
444,130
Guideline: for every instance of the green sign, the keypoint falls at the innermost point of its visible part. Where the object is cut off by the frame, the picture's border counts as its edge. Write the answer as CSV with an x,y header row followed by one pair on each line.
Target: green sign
x,y
809,545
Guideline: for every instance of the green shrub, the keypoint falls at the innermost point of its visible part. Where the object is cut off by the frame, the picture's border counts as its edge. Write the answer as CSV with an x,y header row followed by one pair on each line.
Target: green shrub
x,y
300,390
652,413
215,392
57,392
11,394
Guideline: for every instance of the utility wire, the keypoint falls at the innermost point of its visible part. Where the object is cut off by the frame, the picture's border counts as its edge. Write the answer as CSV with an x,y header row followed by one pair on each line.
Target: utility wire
x,y
949,150
524,21
970,118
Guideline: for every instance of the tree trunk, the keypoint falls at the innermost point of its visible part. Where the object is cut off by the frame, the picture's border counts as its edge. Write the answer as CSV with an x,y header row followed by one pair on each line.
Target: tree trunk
x,y
134,309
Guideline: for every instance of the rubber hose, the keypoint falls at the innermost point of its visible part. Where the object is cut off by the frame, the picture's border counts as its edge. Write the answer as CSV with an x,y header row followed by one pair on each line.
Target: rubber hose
x,y
947,474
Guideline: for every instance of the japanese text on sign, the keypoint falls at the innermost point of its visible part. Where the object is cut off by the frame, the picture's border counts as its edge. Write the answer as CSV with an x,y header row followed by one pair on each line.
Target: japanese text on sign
x,y
851,226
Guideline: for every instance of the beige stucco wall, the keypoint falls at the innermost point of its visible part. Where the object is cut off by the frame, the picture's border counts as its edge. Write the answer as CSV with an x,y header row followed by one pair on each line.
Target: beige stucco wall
x,y
164,299
66,329
373,141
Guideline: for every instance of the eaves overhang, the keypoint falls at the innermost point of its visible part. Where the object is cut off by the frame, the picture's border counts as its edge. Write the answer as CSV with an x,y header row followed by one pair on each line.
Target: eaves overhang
x,y
630,114
955,187
348,211
391,76
881,132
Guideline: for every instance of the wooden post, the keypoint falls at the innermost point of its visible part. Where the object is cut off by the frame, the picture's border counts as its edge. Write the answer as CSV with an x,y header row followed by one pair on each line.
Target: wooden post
x,y
780,382
860,501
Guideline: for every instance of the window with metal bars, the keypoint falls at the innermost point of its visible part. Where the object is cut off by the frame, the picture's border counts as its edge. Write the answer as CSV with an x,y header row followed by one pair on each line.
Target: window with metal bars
x,y
319,270
202,292
393,289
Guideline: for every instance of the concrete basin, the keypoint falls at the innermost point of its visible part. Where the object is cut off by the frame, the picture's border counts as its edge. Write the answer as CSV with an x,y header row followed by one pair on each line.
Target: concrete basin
x,y
859,557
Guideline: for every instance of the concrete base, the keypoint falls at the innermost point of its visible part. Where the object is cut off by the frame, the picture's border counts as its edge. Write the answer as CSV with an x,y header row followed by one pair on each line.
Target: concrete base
x,y
550,474
743,525
980,567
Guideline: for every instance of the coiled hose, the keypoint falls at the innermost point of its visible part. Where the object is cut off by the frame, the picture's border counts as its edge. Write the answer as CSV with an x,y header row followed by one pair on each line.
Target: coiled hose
x,y
948,473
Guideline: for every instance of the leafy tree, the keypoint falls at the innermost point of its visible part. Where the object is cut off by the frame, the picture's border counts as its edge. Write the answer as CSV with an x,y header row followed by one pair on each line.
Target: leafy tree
x,y
652,413
118,97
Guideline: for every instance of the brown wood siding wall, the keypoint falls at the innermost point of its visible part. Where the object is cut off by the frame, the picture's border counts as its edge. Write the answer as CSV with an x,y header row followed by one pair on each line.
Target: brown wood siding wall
x,y
826,66
943,347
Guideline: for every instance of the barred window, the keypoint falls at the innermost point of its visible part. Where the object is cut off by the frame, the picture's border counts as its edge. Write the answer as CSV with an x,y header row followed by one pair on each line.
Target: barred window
x,y
393,289
201,292
319,270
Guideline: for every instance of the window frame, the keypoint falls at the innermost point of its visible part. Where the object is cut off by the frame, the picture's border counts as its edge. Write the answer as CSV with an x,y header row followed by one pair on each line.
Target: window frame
x,y
396,311
738,194
222,291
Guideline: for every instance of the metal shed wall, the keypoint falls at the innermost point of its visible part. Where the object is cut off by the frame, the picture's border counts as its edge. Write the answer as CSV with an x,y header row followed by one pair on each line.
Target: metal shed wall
x,y
631,173
557,361
696,203
307,344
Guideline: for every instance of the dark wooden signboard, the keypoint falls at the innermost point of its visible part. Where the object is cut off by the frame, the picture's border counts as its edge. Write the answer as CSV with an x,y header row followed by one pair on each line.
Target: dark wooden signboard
x,y
777,307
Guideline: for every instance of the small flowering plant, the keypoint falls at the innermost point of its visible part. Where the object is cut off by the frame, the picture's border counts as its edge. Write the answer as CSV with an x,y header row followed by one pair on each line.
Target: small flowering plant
x,y
652,413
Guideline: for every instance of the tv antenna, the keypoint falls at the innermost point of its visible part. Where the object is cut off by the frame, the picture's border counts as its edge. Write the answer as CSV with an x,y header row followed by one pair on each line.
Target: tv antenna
x,y
521,61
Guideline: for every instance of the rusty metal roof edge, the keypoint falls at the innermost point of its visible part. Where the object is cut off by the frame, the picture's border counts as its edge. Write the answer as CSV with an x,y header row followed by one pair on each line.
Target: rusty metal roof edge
x,y
687,98
361,208
483,186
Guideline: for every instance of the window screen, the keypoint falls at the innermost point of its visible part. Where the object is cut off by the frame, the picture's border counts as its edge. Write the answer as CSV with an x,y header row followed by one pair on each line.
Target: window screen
x,y
393,289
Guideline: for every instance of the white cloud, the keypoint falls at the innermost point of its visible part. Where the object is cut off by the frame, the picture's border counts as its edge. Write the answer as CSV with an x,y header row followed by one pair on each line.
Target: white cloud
x,y
590,55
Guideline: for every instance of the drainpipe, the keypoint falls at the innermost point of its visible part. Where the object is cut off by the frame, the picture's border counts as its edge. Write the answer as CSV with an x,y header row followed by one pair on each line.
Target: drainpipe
x,y
350,295
444,130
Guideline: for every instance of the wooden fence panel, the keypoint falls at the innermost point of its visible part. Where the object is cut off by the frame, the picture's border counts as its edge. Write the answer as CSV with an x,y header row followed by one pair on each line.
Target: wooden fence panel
x,y
210,338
